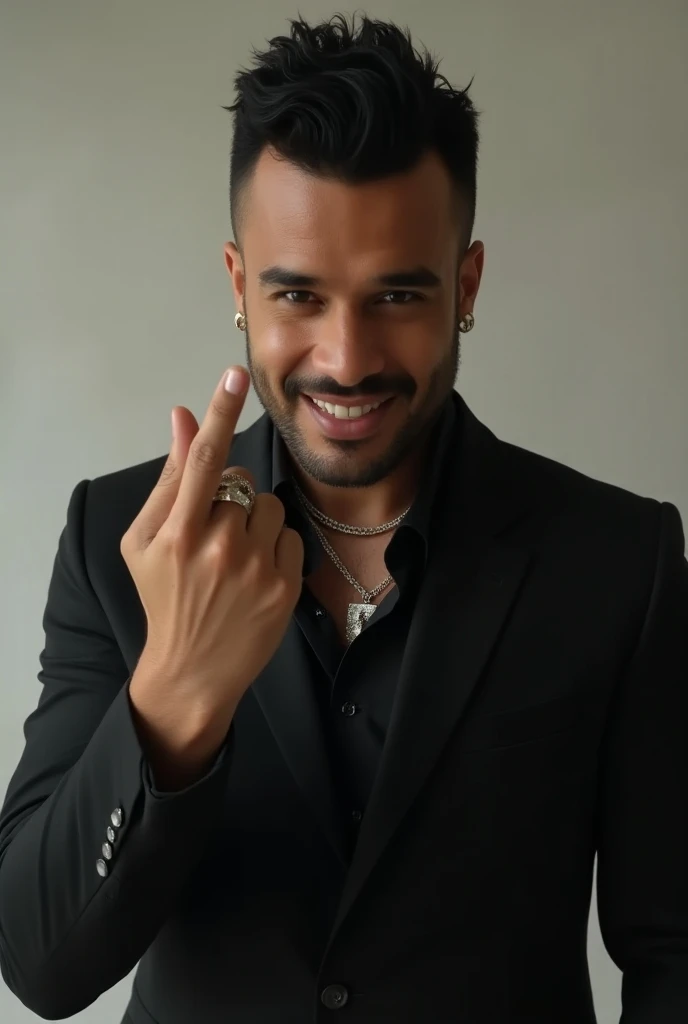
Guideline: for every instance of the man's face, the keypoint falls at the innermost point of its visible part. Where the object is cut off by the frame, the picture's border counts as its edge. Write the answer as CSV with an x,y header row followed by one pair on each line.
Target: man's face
x,y
352,296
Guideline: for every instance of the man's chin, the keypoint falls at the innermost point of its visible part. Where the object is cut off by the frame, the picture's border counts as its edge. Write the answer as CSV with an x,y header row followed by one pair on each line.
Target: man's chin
x,y
348,464
337,470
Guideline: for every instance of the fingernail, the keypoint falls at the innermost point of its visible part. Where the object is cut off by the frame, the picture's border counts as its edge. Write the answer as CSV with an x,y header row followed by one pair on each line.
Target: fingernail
x,y
235,381
172,419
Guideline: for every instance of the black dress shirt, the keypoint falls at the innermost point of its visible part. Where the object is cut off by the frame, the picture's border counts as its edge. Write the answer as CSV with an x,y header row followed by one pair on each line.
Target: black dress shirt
x,y
355,685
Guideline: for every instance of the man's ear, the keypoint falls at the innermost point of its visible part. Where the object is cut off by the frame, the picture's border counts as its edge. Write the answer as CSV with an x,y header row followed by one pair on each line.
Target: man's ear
x,y
235,269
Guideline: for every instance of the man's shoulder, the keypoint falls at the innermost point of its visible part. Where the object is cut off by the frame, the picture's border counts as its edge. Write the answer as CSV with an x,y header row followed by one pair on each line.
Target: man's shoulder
x,y
531,479
548,474
587,513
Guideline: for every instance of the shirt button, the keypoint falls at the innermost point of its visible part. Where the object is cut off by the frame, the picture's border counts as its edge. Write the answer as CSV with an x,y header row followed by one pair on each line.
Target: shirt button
x,y
117,817
319,613
102,868
349,709
356,815
334,997
106,850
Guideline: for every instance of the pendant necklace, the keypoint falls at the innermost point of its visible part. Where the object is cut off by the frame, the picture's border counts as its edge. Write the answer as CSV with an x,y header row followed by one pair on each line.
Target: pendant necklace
x,y
358,612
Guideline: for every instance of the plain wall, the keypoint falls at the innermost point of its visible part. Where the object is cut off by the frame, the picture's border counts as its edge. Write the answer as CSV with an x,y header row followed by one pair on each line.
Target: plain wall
x,y
114,299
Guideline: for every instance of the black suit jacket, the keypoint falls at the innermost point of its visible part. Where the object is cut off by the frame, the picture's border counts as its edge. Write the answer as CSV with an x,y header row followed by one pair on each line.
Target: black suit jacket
x,y
541,716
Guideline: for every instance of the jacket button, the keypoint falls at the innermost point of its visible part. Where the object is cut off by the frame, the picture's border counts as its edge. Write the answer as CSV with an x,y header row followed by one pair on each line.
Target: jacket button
x,y
349,709
334,997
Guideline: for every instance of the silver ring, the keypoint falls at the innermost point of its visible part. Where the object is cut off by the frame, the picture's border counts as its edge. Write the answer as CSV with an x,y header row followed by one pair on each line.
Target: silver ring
x,y
235,487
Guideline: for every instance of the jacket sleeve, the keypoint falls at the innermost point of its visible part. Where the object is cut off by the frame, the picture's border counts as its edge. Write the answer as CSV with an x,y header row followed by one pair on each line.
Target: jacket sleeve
x,y
642,882
75,918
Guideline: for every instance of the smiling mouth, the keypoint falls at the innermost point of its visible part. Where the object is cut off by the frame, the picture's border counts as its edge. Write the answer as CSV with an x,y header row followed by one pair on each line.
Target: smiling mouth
x,y
347,412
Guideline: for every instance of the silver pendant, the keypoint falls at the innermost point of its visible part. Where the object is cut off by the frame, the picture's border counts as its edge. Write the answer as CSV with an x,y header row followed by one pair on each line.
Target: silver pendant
x,y
356,618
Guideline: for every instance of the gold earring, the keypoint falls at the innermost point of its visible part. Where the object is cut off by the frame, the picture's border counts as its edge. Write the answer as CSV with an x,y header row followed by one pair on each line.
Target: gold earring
x,y
467,324
240,322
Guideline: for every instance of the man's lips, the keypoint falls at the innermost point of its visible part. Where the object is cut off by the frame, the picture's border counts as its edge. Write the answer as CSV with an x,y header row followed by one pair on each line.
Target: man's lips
x,y
352,428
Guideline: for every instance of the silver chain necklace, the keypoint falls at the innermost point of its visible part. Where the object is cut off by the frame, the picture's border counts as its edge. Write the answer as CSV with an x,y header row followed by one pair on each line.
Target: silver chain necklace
x,y
355,531
357,613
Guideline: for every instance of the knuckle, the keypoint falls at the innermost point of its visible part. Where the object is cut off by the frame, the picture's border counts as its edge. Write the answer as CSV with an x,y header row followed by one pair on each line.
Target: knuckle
x,y
218,408
282,591
271,504
255,567
169,472
175,539
218,547
205,456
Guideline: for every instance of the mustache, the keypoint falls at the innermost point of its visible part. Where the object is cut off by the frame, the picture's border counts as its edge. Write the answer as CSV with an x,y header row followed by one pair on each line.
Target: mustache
x,y
376,384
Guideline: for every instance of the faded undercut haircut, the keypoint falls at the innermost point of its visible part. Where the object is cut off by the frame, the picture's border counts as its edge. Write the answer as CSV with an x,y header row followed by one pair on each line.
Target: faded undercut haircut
x,y
355,101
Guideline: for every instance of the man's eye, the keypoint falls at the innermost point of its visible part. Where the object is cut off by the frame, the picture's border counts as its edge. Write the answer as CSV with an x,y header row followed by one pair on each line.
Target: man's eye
x,y
399,298
296,297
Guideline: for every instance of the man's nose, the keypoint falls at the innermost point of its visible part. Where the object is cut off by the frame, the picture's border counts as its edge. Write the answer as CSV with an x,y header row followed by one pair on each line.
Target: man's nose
x,y
347,348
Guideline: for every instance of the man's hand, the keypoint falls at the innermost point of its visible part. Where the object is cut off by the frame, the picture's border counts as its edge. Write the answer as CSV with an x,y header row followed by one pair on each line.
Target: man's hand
x,y
218,588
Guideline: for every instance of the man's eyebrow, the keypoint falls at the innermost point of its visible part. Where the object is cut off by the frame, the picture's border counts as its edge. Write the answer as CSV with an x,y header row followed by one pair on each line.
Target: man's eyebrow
x,y
416,277
284,278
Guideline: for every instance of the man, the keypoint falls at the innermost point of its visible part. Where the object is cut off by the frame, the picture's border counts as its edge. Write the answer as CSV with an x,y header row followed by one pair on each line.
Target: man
x,y
343,728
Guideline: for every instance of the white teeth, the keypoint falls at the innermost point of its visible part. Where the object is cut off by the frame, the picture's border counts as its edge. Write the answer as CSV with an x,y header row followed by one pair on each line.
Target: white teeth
x,y
345,412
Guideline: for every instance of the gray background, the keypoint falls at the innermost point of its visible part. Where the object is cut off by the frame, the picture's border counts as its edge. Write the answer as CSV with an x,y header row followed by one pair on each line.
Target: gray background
x,y
114,300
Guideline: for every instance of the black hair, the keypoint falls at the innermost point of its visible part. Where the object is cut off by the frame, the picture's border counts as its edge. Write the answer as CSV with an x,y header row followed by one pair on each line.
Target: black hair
x,y
356,102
